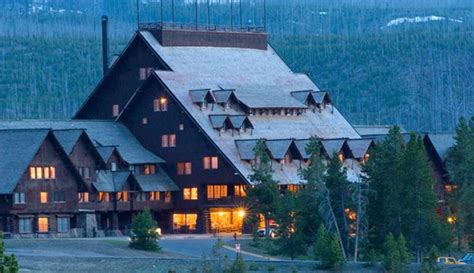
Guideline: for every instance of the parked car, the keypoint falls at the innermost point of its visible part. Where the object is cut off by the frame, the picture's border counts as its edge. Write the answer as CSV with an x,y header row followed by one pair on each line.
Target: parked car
x,y
468,258
448,260
273,231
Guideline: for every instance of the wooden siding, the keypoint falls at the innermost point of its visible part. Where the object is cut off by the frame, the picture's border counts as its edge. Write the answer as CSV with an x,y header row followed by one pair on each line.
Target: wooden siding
x,y
120,81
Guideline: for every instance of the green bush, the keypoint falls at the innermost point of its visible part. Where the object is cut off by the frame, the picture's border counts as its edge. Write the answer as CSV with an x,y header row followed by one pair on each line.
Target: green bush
x,y
145,236
8,264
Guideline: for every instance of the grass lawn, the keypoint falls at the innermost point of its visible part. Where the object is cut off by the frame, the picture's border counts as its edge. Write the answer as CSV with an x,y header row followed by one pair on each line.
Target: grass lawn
x,y
265,247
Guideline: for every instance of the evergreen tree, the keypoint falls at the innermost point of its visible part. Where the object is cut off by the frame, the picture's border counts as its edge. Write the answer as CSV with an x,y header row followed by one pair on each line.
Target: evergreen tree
x,y
402,249
291,241
418,201
264,193
460,162
383,178
238,266
392,260
340,195
315,178
8,264
145,236
327,249
430,263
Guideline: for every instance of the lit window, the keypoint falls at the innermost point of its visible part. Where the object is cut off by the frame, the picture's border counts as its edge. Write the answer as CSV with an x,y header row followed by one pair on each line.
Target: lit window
x,y
43,224
83,197
239,190
181,127
172,140
59,196
104,196
52,173
149,169
32,173
43,197
115,110
216,191
287,159
39,173
292,188
144,121
167,197
184,168
341,157
24,225
155,196
113,166
186,221
19,198
165,141
211,162
122,196
160,104
63,224
190,193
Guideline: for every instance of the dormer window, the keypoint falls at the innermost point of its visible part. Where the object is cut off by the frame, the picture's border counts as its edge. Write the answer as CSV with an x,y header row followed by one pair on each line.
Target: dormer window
x,y
202,97
149,169
115,110
341,157
145,72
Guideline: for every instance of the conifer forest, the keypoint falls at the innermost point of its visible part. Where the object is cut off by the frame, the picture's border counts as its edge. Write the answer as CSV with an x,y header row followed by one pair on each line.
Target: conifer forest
x,y
385,62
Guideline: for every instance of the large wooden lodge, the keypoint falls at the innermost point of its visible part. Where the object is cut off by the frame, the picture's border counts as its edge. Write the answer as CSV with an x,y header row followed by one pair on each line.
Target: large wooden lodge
x,y
171,126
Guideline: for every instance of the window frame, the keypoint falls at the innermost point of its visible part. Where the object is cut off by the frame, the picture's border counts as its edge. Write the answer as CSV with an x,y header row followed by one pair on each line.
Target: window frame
x,y
21,225
43,197
190,194
19,198
216,192
63,227
40,225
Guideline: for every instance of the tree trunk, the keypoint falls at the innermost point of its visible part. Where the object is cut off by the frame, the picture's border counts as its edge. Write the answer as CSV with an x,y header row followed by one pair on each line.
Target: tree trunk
x,y
337,228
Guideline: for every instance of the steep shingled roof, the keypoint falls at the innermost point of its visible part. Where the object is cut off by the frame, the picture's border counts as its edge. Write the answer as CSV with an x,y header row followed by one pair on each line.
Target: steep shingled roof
x,y
158,182
105,152
332,146
17,150
260,79
359,147
68,138
442,143
279,147
101,132
109,181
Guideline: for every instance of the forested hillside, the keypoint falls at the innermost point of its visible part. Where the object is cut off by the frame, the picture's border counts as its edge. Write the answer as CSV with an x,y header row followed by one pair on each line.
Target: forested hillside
x,y
406,62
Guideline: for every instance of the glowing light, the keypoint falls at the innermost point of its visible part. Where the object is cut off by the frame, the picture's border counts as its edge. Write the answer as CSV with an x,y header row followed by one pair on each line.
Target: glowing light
x,y
163,100
241,213
158,231
221,213
451,219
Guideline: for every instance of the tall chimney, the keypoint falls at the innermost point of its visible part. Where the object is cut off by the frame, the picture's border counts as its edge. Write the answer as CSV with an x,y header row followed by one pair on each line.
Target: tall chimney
x,y
105,43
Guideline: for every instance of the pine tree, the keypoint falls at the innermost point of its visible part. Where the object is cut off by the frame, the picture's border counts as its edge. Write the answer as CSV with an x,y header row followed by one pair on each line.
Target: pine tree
x,y
340,195
430,263
392,260
238,266
460,162
315,178
8,264
383,178
320,248
145,236
418,201
264,193
291,241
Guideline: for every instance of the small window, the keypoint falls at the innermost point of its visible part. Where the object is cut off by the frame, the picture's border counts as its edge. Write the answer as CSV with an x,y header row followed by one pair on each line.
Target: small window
x,y
155,196
63,224
293,188
115,110
167,197
113,166
43,197
104,197
24,225
85,172
142,197
190,194
122,196
144,72
37,173
172,140
144,121
181,127
160,104
211,162
59,197
216,191
149,169
43,224
165,141
184,168
341,157
19,198
83,197
239,191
